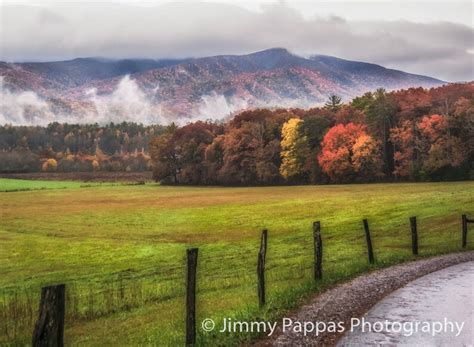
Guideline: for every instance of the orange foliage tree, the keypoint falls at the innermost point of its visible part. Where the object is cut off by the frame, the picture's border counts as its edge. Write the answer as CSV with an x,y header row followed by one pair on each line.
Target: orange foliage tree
x,y
349,153
424,147
366,158
440,148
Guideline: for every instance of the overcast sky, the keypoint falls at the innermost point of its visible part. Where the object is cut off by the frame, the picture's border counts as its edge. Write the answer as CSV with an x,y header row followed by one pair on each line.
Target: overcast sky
x,y
425,37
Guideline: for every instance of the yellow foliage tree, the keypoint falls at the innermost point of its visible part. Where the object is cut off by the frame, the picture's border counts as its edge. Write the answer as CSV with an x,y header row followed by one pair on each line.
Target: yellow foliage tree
x,y
294,149
50,165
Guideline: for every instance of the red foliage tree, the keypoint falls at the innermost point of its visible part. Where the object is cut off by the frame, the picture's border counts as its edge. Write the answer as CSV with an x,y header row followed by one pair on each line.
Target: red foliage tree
x,y
337,157
348,114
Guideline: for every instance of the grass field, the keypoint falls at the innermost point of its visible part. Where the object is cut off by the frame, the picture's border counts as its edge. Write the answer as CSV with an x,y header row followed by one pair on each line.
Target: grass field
x,y
13,185
121,250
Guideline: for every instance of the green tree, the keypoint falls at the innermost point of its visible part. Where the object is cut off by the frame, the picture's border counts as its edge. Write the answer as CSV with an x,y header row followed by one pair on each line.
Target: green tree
x,y
314,127
334,103
362,102
380,119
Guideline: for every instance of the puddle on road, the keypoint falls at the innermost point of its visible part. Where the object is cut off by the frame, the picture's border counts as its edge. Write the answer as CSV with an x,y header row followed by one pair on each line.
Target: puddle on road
x,y
443,296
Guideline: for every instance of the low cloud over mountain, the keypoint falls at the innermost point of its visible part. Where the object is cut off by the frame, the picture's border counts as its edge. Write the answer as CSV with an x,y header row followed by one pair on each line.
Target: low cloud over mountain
x,y
195,29
161,91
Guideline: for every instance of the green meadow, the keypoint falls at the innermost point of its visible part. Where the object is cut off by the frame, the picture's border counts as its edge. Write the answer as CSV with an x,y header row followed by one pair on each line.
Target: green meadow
x,y
120,250
14,185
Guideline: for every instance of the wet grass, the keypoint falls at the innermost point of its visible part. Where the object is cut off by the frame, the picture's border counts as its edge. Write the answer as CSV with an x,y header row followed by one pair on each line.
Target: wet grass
x,y
121,250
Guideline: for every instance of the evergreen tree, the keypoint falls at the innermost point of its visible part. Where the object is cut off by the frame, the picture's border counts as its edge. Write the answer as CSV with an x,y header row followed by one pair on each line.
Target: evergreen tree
x,y
334,103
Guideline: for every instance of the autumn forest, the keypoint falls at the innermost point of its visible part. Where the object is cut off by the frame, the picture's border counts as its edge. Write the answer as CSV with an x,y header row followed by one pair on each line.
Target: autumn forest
x,y
408,135
412,135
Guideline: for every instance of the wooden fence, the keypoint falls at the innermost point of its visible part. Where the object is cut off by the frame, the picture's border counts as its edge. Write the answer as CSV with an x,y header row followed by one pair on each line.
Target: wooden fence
x,y
49,328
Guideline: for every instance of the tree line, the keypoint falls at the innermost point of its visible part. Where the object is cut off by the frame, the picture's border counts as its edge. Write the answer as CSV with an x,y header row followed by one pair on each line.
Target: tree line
x,y
411,135
76,147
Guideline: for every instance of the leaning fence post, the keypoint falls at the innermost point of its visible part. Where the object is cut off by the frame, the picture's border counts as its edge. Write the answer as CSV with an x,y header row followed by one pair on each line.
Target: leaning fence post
x,y
369,242
318,251
261,268
414,236
49,328
191,296
464,231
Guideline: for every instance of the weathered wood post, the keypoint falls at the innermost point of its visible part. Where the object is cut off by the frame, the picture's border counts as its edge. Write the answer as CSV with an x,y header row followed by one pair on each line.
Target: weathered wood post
x,y
261,268
192,255
464,231
318,251
369,242
49,328
414,236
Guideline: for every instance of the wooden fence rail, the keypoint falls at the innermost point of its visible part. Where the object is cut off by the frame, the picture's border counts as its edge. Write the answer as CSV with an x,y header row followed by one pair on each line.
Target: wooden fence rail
x,y
192,255
49,328
414,236
262,254
318,251
370,251
465,221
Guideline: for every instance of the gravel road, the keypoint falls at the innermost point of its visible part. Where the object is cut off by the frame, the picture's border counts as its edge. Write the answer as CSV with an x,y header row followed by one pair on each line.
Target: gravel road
x,y
356,297
442,302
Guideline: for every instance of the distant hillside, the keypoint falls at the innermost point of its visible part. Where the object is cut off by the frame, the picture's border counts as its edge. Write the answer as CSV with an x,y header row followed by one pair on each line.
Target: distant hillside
x,y
73,73
208,87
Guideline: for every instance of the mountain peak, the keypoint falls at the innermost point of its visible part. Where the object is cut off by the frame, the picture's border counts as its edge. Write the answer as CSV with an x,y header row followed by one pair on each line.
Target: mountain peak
x,y
273,51
273,58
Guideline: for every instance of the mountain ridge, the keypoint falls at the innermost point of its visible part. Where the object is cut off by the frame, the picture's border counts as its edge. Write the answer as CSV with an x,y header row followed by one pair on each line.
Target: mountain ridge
x,y
185,88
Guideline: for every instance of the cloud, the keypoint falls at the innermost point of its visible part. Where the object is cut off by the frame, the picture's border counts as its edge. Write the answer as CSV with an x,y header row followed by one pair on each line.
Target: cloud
x,y
176,30
126,103
23,108
217,106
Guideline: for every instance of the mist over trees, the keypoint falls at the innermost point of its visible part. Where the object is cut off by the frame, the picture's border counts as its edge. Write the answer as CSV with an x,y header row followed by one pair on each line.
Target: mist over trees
x,y
411,135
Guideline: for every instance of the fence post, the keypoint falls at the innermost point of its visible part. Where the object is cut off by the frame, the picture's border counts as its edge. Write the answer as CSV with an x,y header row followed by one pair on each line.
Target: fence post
x,y
414,236
192,255
369,242
261,268
49,328
464,231
318,251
